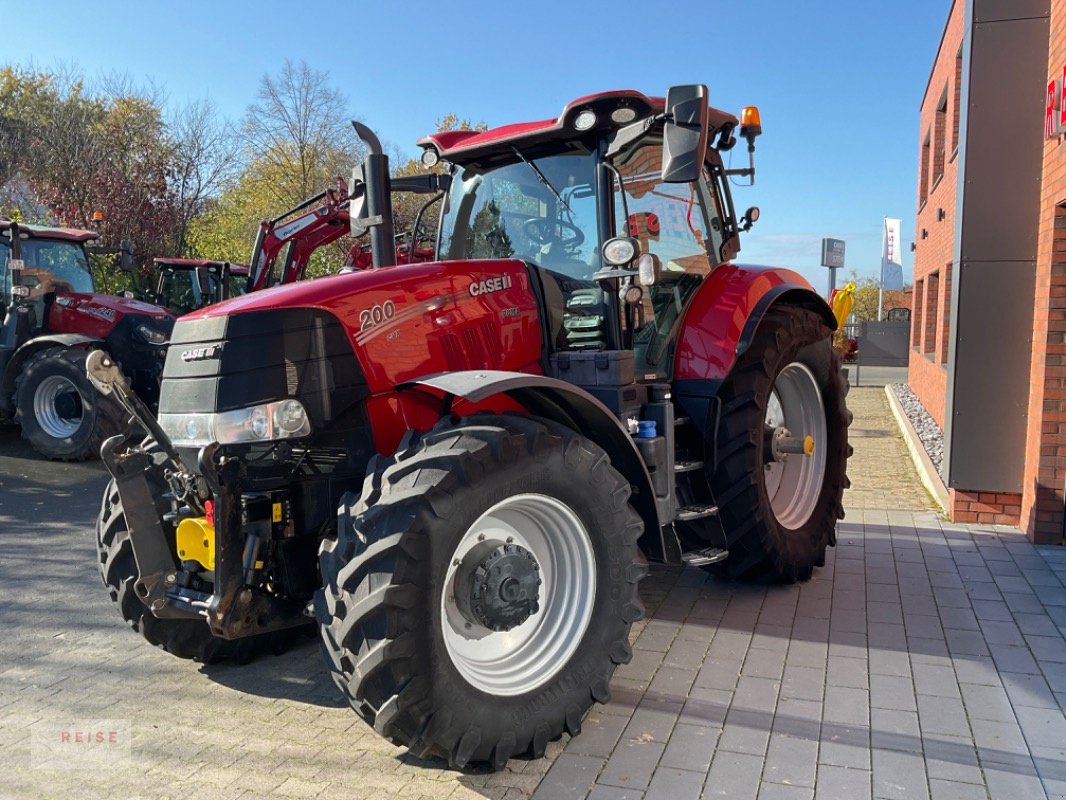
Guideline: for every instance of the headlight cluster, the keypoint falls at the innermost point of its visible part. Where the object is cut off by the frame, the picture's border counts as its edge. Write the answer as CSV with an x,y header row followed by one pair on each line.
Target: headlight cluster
x,y
151,335
269,422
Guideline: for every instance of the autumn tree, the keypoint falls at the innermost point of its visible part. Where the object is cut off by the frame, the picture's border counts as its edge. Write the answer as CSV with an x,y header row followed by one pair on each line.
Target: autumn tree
x,y
299,129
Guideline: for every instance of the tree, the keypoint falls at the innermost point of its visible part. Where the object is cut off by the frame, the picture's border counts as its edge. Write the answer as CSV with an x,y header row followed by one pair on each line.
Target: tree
x,y
299,130
205,156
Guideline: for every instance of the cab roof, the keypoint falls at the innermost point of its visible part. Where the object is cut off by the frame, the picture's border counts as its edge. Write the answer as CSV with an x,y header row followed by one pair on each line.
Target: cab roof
x,y
43,232
463,144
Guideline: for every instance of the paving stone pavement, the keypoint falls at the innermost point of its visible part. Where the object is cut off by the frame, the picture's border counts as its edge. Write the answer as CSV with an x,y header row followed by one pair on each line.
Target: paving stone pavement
x,y
925,660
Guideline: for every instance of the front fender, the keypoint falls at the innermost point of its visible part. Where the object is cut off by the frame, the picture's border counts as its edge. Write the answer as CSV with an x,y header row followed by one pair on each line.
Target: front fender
x,y
569,405
721,320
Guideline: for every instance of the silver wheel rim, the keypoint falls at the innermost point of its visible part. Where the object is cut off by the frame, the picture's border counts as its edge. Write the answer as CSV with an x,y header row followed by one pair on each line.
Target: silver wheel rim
x,y
795,484
46,411
529,655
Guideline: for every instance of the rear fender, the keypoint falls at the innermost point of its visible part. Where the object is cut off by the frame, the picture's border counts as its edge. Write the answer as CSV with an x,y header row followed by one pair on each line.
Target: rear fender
x,y
32,347
720,324
568,405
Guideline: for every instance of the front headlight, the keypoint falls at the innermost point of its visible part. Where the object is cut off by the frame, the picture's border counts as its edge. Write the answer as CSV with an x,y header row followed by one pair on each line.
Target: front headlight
x,y
269,422
151,335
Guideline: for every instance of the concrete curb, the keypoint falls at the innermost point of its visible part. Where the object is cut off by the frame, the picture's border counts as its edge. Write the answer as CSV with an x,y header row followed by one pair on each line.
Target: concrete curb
x,y
931,479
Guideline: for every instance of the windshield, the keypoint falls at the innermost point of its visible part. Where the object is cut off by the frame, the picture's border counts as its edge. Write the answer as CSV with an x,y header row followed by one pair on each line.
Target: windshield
x,y
50,265
180,291
542,210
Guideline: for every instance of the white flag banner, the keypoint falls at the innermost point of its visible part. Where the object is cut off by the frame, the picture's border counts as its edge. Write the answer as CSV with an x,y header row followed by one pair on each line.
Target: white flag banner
x,y
891,256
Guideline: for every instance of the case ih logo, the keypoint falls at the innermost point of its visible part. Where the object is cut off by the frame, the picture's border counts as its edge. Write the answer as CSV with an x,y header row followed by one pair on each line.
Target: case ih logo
x,y
201,353
491,285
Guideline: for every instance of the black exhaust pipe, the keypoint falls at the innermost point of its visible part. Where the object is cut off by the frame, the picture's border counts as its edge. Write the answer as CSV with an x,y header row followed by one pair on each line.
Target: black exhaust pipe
x,y
378,198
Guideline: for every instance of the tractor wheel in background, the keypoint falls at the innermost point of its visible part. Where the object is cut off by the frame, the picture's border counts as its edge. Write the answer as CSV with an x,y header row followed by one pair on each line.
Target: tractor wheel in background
x,y
480,591
786,391
184,638
60,412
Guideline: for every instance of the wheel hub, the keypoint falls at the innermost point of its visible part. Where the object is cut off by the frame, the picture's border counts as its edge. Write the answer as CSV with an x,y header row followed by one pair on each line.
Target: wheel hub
x,y
497,586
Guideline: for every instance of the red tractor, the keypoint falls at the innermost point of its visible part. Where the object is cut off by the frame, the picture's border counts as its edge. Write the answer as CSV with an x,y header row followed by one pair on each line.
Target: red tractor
x,y
459,469
51,319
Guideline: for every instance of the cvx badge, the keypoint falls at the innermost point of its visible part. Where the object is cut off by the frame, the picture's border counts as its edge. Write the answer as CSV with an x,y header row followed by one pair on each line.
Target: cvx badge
x,y
201,353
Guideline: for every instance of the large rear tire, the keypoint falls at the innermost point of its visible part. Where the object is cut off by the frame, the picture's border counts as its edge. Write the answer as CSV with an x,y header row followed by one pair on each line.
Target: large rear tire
x,y
60,412
780,515
184,638
407,633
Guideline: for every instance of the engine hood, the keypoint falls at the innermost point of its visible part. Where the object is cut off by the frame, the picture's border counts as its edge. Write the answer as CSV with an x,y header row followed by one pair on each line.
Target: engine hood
x,y
108,306
325,291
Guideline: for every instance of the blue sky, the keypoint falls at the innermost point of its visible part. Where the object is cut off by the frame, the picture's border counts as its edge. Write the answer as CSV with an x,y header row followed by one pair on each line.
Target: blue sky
x,y
838,82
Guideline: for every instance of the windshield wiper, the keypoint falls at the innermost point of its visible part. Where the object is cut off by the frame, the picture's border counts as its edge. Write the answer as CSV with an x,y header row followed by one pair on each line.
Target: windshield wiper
x,y
543,180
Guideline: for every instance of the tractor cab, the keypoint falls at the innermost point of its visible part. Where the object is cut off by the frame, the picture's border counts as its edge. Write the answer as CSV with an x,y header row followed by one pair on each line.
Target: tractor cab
x,y
36,262
186,284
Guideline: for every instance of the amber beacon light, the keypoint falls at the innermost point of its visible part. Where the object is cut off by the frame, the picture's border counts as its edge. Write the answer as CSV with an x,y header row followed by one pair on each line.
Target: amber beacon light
x,y
750,123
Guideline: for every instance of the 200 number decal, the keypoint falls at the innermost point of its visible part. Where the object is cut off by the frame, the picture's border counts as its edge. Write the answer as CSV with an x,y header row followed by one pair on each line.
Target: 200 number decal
x,y
375,315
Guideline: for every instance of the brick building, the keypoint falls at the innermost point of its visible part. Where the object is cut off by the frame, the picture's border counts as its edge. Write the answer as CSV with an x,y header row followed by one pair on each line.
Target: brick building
x,y
988,321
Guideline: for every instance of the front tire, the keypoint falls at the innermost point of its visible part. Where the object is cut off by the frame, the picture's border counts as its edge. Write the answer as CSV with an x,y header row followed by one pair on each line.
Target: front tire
x,y
780,515
60,412
447,670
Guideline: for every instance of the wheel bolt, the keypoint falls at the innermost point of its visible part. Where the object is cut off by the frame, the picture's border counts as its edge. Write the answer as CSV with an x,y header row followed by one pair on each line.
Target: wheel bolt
x,y
481,537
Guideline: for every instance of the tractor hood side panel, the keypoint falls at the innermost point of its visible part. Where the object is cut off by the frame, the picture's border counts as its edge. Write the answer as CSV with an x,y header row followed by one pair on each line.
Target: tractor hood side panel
x,y
335,342
98,314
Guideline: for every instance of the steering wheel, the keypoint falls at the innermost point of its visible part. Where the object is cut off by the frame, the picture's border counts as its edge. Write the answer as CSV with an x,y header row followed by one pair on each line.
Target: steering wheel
x,y
548,231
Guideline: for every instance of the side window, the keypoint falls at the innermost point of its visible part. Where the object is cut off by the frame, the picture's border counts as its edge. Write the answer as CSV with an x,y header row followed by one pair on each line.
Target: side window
x,y
678,223
668,219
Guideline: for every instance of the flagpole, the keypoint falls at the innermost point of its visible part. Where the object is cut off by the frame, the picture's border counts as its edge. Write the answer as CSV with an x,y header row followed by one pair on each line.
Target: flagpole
x,y
881,280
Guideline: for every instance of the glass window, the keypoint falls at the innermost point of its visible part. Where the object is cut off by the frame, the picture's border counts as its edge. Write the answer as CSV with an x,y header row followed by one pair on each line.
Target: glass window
x,y
63,263
678,223
543,211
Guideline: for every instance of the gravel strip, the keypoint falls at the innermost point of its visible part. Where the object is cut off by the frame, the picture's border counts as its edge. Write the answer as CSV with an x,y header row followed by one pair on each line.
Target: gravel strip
x,y
929,432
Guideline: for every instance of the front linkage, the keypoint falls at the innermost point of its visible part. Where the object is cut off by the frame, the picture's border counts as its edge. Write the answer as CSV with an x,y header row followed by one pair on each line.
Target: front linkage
x,y
207,518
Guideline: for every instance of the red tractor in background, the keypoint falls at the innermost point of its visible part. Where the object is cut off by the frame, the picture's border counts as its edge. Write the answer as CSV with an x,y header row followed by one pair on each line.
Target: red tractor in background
x,y
459,468
51,319
186,284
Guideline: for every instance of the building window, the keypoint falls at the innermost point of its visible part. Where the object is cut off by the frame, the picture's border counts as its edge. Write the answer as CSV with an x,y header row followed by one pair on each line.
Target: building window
x,y
932,294
945,314
923,190
957,104
940,142
916,314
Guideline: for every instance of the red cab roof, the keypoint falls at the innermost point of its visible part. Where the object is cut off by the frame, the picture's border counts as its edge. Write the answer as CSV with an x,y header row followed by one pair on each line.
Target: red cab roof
x,y
42,232
468,143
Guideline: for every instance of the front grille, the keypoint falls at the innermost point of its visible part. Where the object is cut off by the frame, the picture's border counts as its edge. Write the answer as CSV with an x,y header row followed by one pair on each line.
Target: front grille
x,y
224,363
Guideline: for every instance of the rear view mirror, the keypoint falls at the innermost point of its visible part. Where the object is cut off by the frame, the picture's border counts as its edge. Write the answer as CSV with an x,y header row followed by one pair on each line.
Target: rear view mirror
x,y
357,220
685,133
125,258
